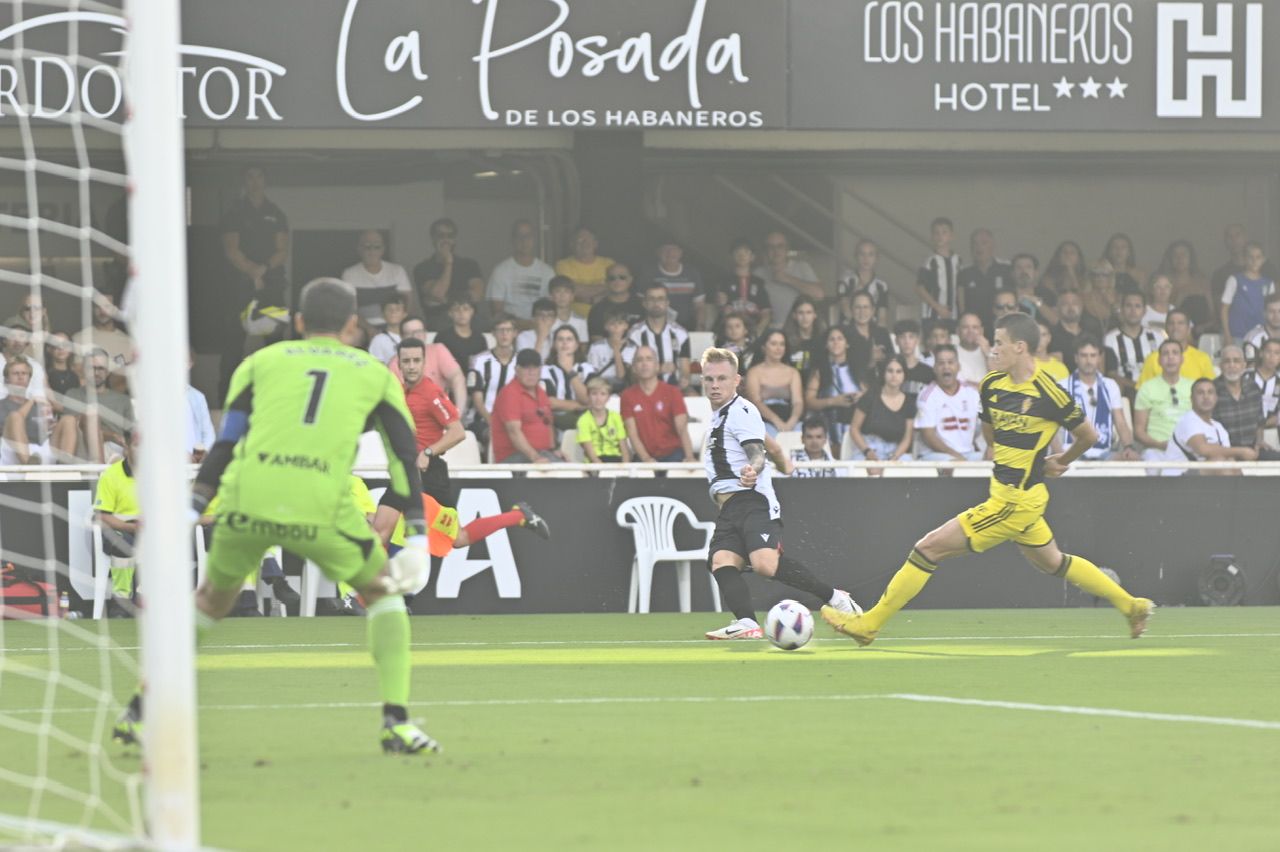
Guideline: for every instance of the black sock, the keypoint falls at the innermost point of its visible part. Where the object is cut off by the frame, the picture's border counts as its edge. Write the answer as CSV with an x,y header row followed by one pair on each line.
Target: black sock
x,y
135,705
734,593
395,713
793,574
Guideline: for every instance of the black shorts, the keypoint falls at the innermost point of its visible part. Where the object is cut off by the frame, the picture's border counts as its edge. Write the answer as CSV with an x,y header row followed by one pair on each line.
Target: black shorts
x,y
436,484
744,526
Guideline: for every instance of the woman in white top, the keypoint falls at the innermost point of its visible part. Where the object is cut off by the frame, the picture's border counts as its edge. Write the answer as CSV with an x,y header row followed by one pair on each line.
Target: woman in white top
x,y
1159,302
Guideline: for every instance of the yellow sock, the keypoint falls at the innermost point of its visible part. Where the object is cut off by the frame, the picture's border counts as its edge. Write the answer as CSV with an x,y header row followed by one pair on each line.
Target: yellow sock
x,y
904,586
1088,577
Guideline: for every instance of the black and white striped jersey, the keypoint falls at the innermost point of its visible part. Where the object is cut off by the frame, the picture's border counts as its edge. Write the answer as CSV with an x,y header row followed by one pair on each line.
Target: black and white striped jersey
x,y
671,343
488,375
1270,388
1131,352
735,424
559,382
938,277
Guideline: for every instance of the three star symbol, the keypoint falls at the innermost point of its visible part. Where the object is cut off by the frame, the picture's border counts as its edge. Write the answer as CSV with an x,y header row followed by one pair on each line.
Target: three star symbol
x,y
1089,88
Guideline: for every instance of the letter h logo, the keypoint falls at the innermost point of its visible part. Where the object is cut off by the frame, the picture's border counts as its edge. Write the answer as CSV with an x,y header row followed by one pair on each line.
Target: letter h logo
x,y
1187,58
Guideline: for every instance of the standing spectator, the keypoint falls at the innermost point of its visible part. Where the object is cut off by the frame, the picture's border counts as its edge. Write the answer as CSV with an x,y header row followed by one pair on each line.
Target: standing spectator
x,y
1101,299
106,334
1066,269
869,344
436,422
947,412
601,432
784,276
564,376
1239,403
654,413
974,349
585,268
684,285
61,374
863,277
95,412
1004,303
1269,328
735,336
883,425
17,348
1072,323
394,311
1234,239
1190,286
978,283
936,282
24,420
1244,295
833,389
1263,375
460,337
445,276
816,447
1102,403
1161,403
538,338
667,339
745,292
1124,263
255,242
492,371
804,330
611,357
1199,437
439,365
1195,364
774,386
906,335
375,280
1034,299
1129,345
522,432
520,280
937,333
1159,302
618,298
200,434
1050,363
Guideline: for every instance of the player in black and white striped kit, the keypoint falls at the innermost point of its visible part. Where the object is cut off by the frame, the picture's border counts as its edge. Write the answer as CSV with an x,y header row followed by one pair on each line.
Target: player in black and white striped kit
x,y
748,534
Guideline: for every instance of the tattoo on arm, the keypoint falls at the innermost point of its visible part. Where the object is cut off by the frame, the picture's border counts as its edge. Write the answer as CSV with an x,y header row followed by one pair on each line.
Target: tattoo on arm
x,y
755,456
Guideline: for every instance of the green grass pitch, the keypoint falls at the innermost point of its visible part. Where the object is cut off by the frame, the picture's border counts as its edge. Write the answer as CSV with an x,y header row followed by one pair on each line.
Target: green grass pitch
x,y
628,732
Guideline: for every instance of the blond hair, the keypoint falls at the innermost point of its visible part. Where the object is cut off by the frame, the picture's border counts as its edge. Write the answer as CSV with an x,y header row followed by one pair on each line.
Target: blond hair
x,y
720,356
598,383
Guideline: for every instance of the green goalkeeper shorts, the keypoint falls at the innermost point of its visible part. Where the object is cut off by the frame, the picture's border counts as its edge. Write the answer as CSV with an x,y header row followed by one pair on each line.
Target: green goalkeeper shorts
x,y
347,551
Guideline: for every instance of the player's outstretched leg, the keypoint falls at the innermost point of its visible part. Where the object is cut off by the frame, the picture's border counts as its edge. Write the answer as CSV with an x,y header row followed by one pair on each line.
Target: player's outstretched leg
x,y
793,573
905,585
388,626
1087,577
521,515
726,570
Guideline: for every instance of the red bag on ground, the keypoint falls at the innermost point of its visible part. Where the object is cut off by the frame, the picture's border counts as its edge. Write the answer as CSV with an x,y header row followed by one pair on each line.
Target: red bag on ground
x,y
24,598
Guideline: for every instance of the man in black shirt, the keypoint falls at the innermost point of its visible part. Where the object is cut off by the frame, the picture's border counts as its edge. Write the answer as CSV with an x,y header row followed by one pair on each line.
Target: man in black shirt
x,y
444,276
461,338
979,282
1073,322
618,298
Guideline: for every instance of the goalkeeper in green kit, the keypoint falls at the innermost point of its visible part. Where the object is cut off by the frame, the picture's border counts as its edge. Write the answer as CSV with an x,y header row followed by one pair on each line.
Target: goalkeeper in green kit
x,y
281,467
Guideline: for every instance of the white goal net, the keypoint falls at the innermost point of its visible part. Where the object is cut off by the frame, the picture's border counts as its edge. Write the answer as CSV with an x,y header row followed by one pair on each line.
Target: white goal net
x,y
90,141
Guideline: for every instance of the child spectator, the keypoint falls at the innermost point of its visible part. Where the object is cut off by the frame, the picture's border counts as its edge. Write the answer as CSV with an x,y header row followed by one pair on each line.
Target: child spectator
x,y
600,431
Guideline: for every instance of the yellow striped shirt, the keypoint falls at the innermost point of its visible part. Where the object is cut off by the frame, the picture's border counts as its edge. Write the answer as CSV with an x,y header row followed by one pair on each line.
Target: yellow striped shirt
x,y
1025,418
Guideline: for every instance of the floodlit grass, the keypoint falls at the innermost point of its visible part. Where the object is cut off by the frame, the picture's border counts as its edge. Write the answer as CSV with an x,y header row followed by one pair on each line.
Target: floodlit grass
x,y
629,732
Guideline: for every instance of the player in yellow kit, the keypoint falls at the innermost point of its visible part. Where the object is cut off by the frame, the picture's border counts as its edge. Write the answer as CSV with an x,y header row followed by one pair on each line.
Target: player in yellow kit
x,y
1022,409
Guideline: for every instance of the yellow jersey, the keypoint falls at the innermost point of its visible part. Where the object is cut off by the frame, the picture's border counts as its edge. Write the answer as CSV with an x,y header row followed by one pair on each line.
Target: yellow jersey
x,y
1024,418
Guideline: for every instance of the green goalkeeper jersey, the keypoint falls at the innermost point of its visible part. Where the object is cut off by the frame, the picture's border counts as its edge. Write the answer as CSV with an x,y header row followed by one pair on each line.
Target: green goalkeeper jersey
x,y
295,412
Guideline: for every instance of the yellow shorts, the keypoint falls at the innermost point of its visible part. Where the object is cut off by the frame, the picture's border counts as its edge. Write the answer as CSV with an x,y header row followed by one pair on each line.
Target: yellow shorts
x,y
996,521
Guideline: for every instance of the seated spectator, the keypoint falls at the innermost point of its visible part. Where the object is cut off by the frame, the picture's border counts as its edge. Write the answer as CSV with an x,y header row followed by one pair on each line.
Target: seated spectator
x,y
1161,402
1159,302
936,333
684,285
805,330
601,432
974,349
774,386
863,277
936,278
440,366
61,374
446,277
735,336
947,412
106,334
375,279
94,414
1103,405
491,371
1120,254
116,509
538,338
1072,323
869,344
883,425
1263,375
1034,299
522,431
1269,328
785,277
24,419
200,434
611,357
1004,302
744,292
816,448
978,283
1195,364
669,341
618,298
562,296
394,312
520,280
460,337
1190,285
564,376
1101,297
1198,437
654,414
1129,345
906,334
16,346
585,268
1243,297
1239,404
1066,270
833,389
1051,364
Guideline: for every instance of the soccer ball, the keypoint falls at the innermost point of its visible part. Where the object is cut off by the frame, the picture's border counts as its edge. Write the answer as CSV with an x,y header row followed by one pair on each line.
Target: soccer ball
x,y
789,625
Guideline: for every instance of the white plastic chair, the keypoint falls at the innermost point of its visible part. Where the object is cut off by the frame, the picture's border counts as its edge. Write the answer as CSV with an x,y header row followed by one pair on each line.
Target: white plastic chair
x,y
1211,345
699,342
652,521
790,441
466,453
570,447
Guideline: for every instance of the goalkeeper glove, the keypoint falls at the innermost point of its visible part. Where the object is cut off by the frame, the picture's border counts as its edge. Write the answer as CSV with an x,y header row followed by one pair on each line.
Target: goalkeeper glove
x,y
409,570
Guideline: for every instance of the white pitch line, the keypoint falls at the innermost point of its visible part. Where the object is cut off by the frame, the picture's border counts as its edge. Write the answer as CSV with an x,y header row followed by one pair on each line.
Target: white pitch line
x,y
637,642
1222,721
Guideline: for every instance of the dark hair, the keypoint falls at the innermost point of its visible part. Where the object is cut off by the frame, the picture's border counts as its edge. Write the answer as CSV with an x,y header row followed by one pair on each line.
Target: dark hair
x,y
1035,261
907,326
440,223
655,285
1088,340
821,365
1021,327
395,298
497,321
1141,295
929,325
460,298
764,339
411,343
1186,316
1115,238
515,226
1166,262
892,359
611,316
413,318
567,328
813,423
1203,381
741,242
544,304
1169,341
1272,299
792,328
1269,342
560,282
1056,271
327,304
942,220
945,347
